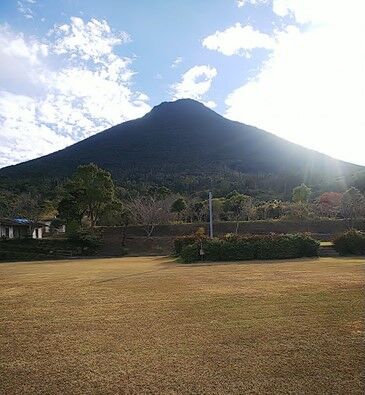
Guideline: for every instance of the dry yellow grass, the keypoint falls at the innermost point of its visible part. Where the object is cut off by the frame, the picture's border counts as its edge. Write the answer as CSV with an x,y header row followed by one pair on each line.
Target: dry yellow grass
x,y
149,325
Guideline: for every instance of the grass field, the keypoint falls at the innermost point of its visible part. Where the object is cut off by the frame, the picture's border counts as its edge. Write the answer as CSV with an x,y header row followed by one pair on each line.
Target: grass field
x,y
149,325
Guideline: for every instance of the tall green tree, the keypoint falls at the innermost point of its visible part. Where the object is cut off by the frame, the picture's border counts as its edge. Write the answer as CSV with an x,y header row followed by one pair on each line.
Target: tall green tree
x,y
69,208
90,193
178,207
301,194
6,203
199,210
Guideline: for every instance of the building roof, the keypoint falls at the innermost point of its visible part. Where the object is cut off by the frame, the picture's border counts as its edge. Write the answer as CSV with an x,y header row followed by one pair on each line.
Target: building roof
x,y
18,222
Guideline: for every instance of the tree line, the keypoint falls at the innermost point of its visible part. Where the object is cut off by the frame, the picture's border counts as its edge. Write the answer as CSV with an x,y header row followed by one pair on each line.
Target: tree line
x,y
91,198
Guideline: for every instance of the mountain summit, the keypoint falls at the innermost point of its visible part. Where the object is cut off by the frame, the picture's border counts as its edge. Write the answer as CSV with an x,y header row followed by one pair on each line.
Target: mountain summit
x,y
183,138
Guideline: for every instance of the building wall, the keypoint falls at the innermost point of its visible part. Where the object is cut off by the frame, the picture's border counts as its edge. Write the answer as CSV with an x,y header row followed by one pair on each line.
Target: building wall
x,y
19,232
47,226
4,233
37,233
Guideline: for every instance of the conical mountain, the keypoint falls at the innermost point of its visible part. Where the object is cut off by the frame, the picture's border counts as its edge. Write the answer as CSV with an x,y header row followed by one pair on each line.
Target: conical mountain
x,y
183,137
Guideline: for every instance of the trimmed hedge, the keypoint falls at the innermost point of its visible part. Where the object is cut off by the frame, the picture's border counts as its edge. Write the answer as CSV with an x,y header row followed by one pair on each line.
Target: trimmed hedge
x,y
182,242
351,242
235,248
79,243
190,253
34,249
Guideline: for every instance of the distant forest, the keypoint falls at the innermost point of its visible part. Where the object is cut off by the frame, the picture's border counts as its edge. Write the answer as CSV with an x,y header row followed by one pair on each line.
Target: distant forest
x,y
162,198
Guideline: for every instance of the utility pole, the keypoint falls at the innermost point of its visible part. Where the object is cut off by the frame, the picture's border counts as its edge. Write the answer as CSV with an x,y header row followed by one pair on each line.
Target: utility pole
x,y
210,216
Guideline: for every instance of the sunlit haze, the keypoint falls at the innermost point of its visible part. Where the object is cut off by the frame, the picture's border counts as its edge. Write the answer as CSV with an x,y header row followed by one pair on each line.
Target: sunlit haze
x,y
70,69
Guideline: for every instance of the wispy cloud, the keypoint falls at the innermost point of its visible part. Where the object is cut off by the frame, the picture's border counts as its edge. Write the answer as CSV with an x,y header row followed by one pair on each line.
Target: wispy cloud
x,y
195,83
24,8
241,3
176,62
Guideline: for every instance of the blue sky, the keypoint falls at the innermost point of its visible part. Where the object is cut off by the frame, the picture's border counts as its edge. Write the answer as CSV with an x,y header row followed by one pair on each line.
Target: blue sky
x,y
161,31
71,68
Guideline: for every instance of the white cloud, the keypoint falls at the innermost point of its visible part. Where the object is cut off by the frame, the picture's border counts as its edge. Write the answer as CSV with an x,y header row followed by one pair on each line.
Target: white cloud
x,y
241,3
21,62
22,131
195,83
210,104
318,12
88,91
176,62
238,40
312,89
15,46
91,40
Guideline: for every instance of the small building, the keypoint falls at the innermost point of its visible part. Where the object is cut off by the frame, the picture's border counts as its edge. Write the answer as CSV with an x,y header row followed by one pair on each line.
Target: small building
x,y
20,228
53,225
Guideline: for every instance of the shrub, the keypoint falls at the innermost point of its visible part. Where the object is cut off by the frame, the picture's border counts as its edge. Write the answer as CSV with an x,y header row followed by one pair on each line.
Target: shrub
x,y
273,247
213,249
306,245
190,253
351,242
37,249
234,248
232,237
181,242
86,240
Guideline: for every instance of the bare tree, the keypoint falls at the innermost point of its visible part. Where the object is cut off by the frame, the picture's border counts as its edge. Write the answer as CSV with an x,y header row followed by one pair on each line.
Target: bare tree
x,y
148,211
